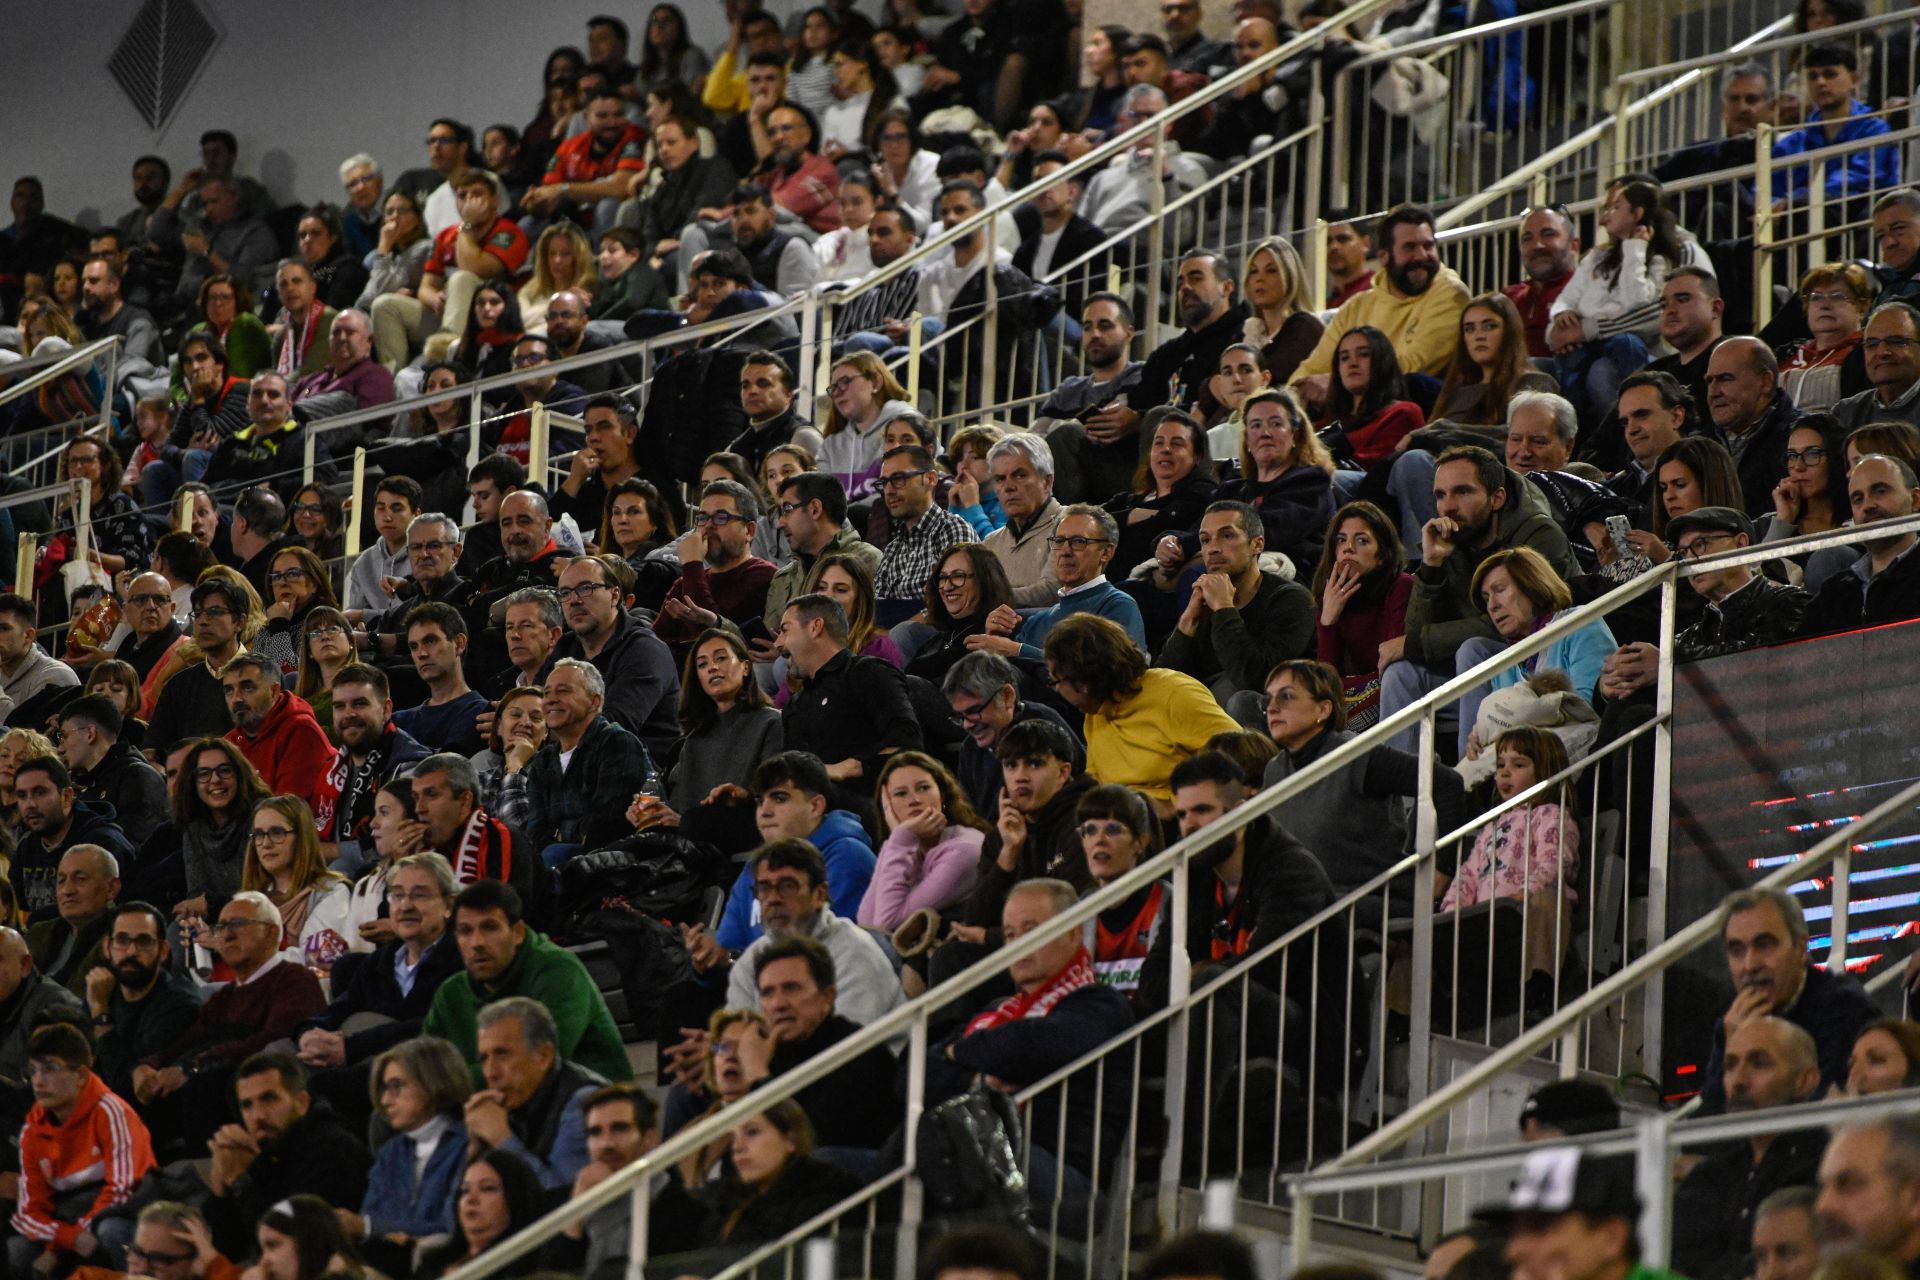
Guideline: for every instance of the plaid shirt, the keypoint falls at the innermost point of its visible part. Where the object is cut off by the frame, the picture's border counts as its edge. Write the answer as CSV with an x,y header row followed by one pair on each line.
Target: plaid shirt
x,y
913,554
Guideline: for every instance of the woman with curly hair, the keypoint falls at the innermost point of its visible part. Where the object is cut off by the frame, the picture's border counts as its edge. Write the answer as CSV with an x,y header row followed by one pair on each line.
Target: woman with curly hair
x,y
1140,721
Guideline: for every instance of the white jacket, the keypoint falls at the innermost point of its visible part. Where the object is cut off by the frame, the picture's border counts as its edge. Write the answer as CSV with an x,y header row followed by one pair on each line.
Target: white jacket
x,y
1631,304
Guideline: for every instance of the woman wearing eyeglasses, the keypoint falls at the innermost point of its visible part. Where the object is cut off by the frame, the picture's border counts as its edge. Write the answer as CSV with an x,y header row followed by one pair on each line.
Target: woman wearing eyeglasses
x,y
420,1088
317,516
1829,365
1812,496
284,862
969,584
865,397
212,800
326,645
300,584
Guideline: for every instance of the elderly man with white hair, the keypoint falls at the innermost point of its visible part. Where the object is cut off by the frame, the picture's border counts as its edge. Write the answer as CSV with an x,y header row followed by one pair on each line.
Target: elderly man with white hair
x,y
1022,467
361,214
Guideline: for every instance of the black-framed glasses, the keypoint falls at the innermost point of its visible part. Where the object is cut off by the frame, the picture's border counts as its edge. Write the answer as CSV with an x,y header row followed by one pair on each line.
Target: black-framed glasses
x,y
150,597
309,508
784,887
718,519
584,591
211,611
285,575
954,578
788,508
899,478
1811,456
214,771
135,941
1698,547
272,835
1075,544
163,1259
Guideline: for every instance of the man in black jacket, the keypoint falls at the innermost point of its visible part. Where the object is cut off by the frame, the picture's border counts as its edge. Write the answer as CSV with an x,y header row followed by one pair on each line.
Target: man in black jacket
x,y
529,558
388,995
1061,237
1752,415
1744,608
854,711
643,686
56,821
137,1002
1180,371
854,1106
107,770
531,1104
283,1146
1883,585
373,751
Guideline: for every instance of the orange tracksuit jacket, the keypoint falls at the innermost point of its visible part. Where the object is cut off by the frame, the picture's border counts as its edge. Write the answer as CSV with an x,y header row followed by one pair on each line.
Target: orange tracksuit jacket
x,y
101,1142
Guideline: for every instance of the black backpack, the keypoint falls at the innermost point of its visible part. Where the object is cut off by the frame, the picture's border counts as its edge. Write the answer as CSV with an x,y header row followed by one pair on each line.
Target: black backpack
x,y
967,1156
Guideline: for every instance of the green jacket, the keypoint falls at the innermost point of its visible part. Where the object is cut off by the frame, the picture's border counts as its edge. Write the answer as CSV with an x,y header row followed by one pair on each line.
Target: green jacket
x,y
1442,614
789,580
554,977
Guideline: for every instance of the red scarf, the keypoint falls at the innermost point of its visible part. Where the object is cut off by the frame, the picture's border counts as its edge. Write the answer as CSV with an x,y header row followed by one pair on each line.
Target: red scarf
x,y
1039,1002
290,359
470,860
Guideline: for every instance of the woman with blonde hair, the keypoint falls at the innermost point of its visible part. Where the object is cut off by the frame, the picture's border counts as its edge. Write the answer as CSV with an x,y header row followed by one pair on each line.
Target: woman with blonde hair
x,y
1282,324
863,397
285,863
562,259
1286,474
723,1081
16,748
1829,365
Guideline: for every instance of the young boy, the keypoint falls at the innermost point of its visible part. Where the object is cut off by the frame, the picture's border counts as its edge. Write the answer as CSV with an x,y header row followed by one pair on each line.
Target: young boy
x,y
396,500
1832,76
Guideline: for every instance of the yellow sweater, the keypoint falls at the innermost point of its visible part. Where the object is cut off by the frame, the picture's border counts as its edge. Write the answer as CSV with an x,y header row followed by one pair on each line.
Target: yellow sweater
x,y
1422,329
1138,743
726,89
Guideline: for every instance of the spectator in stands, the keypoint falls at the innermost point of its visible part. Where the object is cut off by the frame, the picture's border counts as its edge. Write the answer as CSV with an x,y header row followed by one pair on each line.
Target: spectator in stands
x,y
1350,245
1239,620
1752,414
1021,466
1744,608
275,729
1691,316
1883,585
1139,720
777,1184
567,803
1868,1197
261,453
622,1125
641,686
299,585
213,808
1062,236
1363,594
1179,372
54,823
1489,367
1886,1057
436,642
504,957
965,590
499,1194
1608,313
1117,830
978,1253
1769,1062
1083,544
26,670
299,335
530,1106
192,704
419,1087
137,999
1167,495
1415,301
1892,344
477,844
1651,414
349,377
812,510
1786,1235
594,170
1056,983
851,732
1765,936
398,257
1353,821
1549,253
1567,1201
81,1153
109,314
1818,372
1035,771
233,242
920,531
606,460
108,770
478,245
70,945
865,398
721,583
1095,430
850,1108
373,750
933,843
284,862
1367,407
396,502
1247,118
1568,1108
1832,73
766,398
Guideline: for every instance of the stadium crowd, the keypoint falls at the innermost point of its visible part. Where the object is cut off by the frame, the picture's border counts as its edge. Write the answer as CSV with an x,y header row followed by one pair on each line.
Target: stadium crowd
x,y
803,712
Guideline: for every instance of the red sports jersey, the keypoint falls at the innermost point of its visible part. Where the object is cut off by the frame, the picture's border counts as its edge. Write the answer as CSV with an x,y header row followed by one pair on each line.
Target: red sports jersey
x,y
506,242
576,161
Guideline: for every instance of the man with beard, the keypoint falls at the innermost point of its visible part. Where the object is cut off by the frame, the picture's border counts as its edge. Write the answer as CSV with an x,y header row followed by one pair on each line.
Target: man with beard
x,y
1549,251
193,705
920,533
876,320
373,751
1482,507
593,171
388,996
1765,936
623,1124
1883,585
1180,371
109,314
1240,621
27,671
529,558
1870,1190
781,260
1769,1062
635,665
721,582
1753,416
55,822
149,274
606,460
1095,429
137,1001
276,730
514,434
1891,341
1415,301
568,334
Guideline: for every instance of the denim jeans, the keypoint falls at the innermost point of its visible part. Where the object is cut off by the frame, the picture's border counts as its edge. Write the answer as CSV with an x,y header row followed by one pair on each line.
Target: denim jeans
x,y
1591,373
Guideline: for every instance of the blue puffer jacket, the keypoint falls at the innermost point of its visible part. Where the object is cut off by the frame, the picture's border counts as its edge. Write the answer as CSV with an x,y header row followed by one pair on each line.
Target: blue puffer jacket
x,y
848,851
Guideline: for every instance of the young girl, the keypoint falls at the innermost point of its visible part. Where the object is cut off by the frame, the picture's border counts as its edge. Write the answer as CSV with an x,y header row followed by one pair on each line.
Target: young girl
x,y
1527,853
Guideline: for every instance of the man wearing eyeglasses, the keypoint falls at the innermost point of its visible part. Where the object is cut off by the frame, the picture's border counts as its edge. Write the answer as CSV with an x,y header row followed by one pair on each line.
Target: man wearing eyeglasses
x,y
812,512
920,534
81,1153
1891,342
275,729
984,691
1082,546
642,692
433,544
137,1001
720,581
192,704
152,630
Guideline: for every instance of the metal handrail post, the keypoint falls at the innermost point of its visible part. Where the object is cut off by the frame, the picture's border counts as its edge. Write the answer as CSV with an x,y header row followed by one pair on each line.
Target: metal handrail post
x,y
1179,991
107,391
990,346
1762,225
1425,829
913,1194
1317,261
1156,238
1660,832
1316,149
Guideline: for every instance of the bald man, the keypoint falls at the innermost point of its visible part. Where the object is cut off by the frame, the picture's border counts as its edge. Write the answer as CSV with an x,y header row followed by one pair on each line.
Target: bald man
x,y
1250,112
1753,416
1769,1062
28,999
529,559
73,943
154,624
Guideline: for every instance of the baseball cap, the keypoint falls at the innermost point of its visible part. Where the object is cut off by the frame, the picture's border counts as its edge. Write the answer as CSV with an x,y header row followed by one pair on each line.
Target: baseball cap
x,y
1573,1107
1558,1180
1709,520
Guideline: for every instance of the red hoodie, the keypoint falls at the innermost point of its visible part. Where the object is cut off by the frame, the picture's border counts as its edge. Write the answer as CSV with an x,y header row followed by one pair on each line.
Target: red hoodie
x,y
291,753
101,1142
